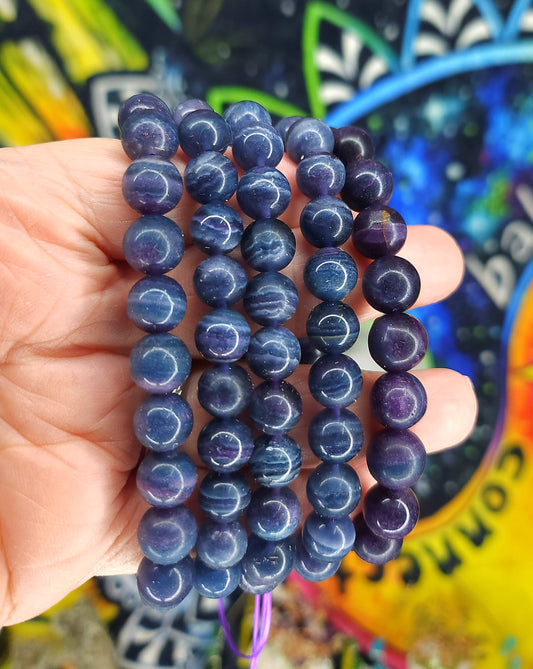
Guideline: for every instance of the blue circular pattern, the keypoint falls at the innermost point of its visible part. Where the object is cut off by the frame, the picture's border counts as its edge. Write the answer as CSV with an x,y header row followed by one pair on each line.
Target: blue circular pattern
x,y
224,390
160,363
220,281
333,327
273,513
210,177
328,538
149,134
276,460
275,407
335,380
166,536
223,497
216,228
156,304
244,113
152,185
273,353
257,145
215,583
225,444
202,131
308,136
335,436
268,244
330,274
163,422
153,244
263,192
333,489
164,586
166,479
271,298
221,545
266,564
326,221
222,335
320,174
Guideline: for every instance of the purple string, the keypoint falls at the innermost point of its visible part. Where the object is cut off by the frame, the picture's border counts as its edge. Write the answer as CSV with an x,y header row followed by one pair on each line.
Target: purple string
x,y
261,628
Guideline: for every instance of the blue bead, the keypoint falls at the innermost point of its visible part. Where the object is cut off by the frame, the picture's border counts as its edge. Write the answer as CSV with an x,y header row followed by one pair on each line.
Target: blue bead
x,y
166,479
273,513
203,130
330,274
225,444
210,177
163,422
152,185
271,298
257,145
335,436
320,174
222,335
221,545
334,490
224,390
263,192
156,304
352,143
187,107
160,363
166,536
220,281
328,538
215,583
335,380
149,134
308,136
396,458
266,564
164,586
379,230
371,548
276,460
223,497
283,125
275,407
398,400
268,244
326,221
310,568
144,102
397,342
390,514
333,327
273,353
246,112
216,228
153,245
391,284
368,182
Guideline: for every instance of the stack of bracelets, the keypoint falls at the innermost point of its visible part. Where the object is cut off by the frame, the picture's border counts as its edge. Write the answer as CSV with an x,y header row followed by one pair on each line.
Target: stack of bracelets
x,y
221,555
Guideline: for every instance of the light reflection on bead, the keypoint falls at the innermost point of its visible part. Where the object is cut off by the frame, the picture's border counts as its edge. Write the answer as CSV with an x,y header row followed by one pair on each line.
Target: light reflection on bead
x,y
391,514
266,564
223,497
219,281
320,174
330,274
396,458
333,327
164,586
216,228
156,304
222,335
224,390
273,513
334,490
257,145
275,407
263,192
163,422
152,185
215,583
335,436
273,353
202,131
326,221
221,545
310,568
371,548
153,245
335,380
328,538
225,444
397,342
160,363
276,460
166,536
210,177
166,479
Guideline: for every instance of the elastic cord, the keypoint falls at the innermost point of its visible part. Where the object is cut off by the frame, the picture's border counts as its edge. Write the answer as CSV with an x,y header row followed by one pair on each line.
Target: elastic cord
x,y
261,628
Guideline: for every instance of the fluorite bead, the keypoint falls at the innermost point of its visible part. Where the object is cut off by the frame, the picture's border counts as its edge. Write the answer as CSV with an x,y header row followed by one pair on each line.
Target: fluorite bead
x,y
246,112
152,185
308,136
222,335
225,444
216,228
224,390
310,568
273,513
257,145
379,230
275,407
266,564
220,281
187,107
335,380
164,586
352,143
210,177
160,363
320,174
326,221
163,422
276,460
263,192
330,274
202,131
166,479
156,303
153,245
221,545
335,436
284,124
273,353
166,536
333,489
397,342
398,400
271,298
215,583
367,182
396,458
223,497
268,244
371,548
149,134
391,284
328,538
391,514
333,327
143,102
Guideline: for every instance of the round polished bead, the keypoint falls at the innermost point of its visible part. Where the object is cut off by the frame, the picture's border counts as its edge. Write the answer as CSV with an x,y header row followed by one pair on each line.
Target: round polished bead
x,y
367,182
204,130
166,536
284,124
220,281
166,479
156,303
257,145
328,538
225,444
320,174
263,192
335,380
266,564
308,136
398,400
352,143
371,548
391,514
143,102
223,497
268,244
164,586
396,458
335,436
309,352
273,353
224,390
153,245
333,327
397,342
149,134
379,230
187,107
215,583
310,568
163,422
330,274
216,228
276,460
222,335
326,221
391,284
210,177
160,363
152,185
273,513
244,113
221,545
275,407
271,298
334,490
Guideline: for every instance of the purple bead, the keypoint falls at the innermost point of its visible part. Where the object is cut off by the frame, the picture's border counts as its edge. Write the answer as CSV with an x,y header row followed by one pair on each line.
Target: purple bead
x,y
273,513
203,130
210,177
224,390
352,143
163,422
263,192
367,182
391,514
187,107
152,185
308,136
320,174
271,298
397,342
149,134
273,353
396,458
378,231
221,545
276,460
328,538
275,407
166,536
166,479
144,102
164,586
268,244
160,363
266,564
371,548
222,335
326,221
333,489
330,274
225,444
333,327
220,281
153,245
283,125
391,284
244,113
257,145
215,583
156,304
335,436
310,568
398,400
335,380
216,228
223,497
